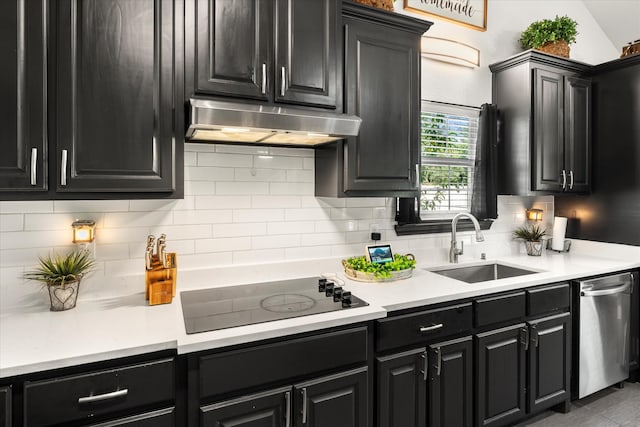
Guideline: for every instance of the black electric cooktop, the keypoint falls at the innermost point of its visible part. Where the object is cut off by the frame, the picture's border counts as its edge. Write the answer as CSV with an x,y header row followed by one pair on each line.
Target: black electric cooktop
x,y
226,307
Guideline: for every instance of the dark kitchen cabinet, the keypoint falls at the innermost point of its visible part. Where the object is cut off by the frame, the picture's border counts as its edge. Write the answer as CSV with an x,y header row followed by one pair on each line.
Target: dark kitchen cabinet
x,y
23,113
382,87
160,418
545,105
267,50
402,384
271,408
501,375
549,361
117,66
5,406
451,383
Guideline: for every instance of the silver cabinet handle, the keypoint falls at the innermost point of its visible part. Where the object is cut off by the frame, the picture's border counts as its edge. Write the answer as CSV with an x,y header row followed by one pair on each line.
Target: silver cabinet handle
x,y
524,337
304,405
105,396
264,78
571,180
418,176
63,168
283,80
438,361
431,328
425,365
287,414
564,179
534,336
34,165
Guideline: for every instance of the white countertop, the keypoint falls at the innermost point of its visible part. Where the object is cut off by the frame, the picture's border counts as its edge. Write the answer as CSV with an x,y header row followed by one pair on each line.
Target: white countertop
x,y
122,324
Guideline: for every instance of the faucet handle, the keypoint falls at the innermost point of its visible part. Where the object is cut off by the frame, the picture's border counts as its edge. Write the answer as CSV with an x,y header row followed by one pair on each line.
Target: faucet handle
x,y
461,250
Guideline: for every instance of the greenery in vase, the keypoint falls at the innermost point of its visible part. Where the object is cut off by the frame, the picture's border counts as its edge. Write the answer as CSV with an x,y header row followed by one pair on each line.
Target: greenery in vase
x,y
549,30
382,270
532,233
60,269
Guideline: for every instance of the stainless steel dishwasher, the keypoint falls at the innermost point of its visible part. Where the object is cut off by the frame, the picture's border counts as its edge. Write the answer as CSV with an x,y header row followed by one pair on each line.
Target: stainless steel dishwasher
x,y
604,332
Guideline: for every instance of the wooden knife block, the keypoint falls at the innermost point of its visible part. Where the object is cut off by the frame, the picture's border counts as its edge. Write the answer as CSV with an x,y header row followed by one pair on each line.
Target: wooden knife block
x,y
161,282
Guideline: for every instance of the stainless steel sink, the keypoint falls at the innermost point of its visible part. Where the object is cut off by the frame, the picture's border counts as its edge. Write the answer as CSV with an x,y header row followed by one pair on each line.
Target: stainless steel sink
x,y
482,273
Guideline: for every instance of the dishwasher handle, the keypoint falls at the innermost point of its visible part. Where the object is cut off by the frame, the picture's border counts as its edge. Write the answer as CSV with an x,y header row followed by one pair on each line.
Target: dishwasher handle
x,y
609,291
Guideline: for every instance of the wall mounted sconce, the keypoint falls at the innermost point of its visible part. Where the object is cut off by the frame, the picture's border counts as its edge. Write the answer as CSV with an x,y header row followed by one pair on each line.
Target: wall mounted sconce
x,y
83,231
450,51
534,214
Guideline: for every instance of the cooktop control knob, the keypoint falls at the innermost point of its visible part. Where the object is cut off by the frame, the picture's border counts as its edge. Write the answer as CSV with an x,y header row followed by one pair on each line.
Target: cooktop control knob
x,y
328,289
337,294
322,283
346,299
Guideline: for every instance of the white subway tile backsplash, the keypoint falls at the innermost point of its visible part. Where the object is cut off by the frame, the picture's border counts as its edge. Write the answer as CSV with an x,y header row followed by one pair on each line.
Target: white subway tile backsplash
x,y
26,207
225,160
223,244
290,227
235,187
11,222
239,230
258,215
223,202
203,216
240,207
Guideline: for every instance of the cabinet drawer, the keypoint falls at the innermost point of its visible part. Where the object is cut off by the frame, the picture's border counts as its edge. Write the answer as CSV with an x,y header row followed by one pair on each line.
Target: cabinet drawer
x,y
423,326
263,364
85,396
161,418
499,309
548,299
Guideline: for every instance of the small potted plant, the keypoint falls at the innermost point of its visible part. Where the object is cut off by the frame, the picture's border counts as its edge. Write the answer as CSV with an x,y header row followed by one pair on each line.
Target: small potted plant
x,y
550,35
62,276
532,236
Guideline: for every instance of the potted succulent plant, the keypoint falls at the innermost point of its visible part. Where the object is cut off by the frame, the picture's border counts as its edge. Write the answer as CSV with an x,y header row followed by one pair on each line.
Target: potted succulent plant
x,y
550,35
532,236
62,275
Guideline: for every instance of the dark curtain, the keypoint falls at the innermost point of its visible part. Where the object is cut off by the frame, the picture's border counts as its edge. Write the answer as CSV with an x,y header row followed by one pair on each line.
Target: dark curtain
x,y
484,198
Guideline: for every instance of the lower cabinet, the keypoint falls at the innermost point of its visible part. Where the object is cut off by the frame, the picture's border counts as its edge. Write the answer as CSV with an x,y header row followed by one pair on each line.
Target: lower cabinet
x,y
331,401
450,395
5,406
161,418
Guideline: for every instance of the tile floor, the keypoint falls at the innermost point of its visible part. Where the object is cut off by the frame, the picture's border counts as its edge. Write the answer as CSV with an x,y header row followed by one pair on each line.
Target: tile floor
x,y
611,407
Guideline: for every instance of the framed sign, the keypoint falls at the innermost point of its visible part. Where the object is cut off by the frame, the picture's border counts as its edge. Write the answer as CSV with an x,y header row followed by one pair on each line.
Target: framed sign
x,y
470,13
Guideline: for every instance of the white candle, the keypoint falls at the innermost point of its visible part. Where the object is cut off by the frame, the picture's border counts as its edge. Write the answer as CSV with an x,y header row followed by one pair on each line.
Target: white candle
x,y
559,229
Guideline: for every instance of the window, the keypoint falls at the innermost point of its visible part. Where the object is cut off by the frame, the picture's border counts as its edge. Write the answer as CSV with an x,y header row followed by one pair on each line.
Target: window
x,y
448,149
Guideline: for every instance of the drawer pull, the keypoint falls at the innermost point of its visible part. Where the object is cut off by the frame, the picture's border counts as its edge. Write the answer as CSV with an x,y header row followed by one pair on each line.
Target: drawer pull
x,y
431,328
104,396
287,414
425,365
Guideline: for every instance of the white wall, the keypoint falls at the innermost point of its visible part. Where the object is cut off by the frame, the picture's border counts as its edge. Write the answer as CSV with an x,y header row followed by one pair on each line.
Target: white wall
x,y
506,19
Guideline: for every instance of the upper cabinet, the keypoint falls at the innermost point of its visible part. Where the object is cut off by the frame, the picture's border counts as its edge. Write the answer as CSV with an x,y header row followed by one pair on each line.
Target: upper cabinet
x,y
382,87
108,127
23,112
281,51
545,105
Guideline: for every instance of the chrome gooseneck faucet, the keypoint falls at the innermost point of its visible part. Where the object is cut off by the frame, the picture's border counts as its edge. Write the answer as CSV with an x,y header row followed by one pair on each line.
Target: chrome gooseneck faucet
x,y
453,250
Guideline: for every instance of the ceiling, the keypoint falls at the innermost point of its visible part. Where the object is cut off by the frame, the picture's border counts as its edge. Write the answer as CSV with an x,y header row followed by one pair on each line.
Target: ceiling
x,y
619,19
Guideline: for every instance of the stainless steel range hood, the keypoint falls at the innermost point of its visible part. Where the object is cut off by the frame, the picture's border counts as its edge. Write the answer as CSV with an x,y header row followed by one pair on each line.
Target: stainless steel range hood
x,y
220,121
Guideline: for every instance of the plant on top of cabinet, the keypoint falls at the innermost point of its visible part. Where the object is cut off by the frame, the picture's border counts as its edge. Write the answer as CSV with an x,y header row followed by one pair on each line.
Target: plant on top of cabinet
x,y
551,36
62,275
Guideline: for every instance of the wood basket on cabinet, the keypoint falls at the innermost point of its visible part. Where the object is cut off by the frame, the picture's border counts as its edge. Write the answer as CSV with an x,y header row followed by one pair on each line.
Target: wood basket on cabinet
x,y
380,4
558,48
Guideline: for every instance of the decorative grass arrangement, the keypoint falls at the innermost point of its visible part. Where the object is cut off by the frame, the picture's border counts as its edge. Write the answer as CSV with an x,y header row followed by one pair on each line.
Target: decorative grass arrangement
x,y
531,233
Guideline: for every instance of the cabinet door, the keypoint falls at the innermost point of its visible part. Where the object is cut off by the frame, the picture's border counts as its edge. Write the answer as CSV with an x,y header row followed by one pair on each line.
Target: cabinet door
x,y
161,418
23,127
232,48
634,351
338,401
306,52
401,389
451,383
548,131
578,134
549,361
383,88
500,368
116,67
5,406
271,408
